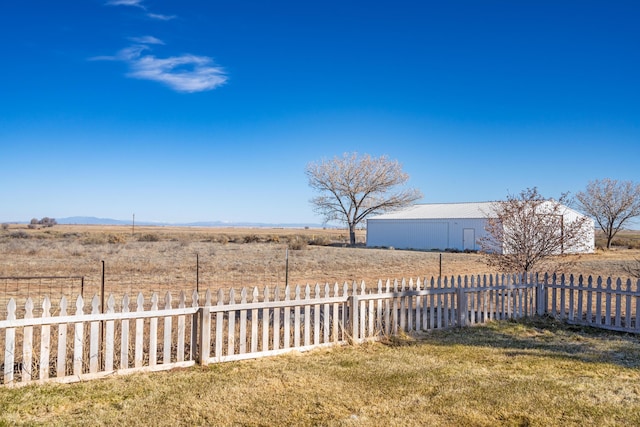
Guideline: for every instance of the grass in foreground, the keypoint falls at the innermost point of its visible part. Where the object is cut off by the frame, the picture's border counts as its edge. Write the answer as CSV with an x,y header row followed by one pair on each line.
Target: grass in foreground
x,y
536,372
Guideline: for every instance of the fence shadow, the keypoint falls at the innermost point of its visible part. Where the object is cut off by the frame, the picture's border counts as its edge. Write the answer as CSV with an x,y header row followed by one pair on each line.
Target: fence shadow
x,y
542,336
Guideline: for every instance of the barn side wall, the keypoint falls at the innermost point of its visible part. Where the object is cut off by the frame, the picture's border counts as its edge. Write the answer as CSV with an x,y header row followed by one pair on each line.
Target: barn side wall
x,y
426,234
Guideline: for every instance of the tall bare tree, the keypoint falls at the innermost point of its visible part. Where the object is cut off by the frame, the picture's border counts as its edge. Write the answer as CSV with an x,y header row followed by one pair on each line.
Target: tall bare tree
x,y
611,203
527,231
353,187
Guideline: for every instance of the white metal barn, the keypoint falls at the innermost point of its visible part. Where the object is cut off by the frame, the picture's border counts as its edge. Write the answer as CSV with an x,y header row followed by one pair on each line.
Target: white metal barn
x,y
441,226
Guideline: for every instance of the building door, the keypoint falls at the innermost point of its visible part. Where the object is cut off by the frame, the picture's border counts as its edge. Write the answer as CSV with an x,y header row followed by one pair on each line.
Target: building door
x,y
469,239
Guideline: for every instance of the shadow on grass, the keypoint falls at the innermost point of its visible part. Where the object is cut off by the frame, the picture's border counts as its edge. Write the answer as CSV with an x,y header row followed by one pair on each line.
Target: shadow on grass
x,y
538,336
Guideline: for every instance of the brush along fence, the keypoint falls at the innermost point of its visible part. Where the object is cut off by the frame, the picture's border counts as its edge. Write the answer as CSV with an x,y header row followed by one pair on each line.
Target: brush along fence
x,y
80,342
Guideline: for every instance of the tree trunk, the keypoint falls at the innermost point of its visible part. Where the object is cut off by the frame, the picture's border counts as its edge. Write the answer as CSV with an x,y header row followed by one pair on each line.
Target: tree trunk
x,y
352,234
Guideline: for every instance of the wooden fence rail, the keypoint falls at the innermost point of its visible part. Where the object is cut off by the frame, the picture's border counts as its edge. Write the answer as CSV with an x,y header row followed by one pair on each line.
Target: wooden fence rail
x,y
86,342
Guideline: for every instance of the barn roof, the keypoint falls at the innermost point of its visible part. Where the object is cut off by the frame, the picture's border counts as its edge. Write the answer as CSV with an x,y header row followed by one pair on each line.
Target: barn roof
x,y
441,211
469,210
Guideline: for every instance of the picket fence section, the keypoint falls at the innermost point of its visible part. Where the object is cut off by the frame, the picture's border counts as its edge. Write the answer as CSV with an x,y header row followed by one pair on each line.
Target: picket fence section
x,y
93,342
593,302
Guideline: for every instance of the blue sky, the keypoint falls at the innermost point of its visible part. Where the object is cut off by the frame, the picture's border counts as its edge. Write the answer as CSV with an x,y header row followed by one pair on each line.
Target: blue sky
x,y
210,110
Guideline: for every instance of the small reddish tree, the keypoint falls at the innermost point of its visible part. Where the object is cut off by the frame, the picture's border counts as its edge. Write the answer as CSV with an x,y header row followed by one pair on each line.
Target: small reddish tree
x,y
527,230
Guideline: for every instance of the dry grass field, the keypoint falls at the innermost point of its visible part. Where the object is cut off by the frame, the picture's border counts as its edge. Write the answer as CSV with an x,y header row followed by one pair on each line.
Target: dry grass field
x,y
165,258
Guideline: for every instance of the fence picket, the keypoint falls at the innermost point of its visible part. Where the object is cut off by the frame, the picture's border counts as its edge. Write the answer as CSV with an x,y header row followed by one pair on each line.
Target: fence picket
x,y
618,321
254,322
153,332
396,307
637,316
78,339
194,325
139,338
45,340
124,338
219,326
362,310
27,344
580,297
326,316
607,319
307,316
316,316
286,320
61,365
167,339
276,320
265,321
109,338
627,312
296,314
10,344
231,332
336,314
243,323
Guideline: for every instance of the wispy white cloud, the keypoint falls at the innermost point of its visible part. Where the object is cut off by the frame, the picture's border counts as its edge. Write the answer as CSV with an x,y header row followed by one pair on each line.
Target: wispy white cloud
x,y
161,17
184,73
135,3
146,40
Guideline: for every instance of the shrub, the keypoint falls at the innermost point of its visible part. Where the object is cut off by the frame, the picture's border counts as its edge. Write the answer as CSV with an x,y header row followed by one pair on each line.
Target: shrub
x,y
148,237
320,241
20,234
297,243
251,238
5,226
94,239
116,238
274,238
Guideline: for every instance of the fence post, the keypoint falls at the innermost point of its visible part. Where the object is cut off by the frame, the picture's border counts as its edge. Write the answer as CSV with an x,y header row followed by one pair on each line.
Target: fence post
x,y
355,318
540,300
462,306
204,334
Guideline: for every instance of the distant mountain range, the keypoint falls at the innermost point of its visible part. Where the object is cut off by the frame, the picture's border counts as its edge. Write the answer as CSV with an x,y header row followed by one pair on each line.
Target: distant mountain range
x,y
90,220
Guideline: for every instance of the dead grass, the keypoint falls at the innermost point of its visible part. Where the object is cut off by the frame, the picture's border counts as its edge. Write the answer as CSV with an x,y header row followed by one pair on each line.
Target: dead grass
x,y
505,373
163,259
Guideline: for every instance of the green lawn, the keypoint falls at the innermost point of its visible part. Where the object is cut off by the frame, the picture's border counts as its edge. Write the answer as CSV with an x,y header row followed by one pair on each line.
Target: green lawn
x,y
536,372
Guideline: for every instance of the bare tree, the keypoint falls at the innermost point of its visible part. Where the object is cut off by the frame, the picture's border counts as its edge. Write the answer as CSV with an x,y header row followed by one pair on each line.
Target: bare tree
x,y
354,187
527,231
611,203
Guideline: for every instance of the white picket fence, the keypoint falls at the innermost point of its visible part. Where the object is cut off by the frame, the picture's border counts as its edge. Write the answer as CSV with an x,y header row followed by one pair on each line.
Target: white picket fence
x,y
592,301
90,343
